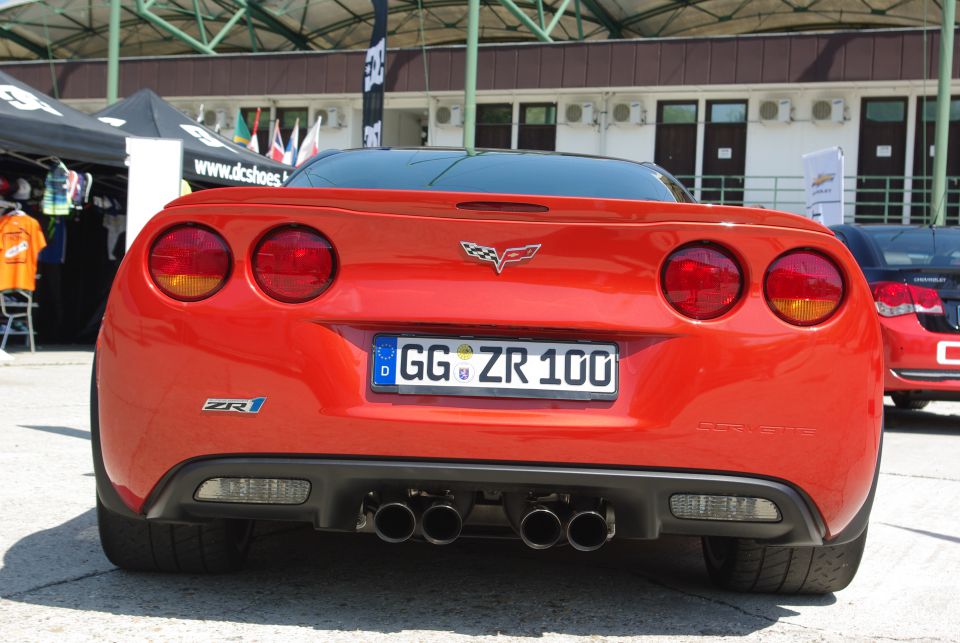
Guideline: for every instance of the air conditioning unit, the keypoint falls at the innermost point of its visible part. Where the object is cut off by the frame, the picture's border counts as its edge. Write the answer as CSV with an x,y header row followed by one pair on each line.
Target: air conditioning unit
x,y
829,111
776,111
631,113
215,119
579,113
330,118
448,116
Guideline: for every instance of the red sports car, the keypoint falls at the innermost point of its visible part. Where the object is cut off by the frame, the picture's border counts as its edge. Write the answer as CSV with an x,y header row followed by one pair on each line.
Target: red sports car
x,y
433,343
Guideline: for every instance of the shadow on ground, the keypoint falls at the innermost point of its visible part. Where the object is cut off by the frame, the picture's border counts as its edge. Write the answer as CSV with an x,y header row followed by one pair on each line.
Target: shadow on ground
x,y
896,420
336,583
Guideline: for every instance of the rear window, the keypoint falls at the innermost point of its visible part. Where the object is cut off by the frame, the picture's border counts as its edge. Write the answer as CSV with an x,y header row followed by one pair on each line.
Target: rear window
x,y
935,247
519,173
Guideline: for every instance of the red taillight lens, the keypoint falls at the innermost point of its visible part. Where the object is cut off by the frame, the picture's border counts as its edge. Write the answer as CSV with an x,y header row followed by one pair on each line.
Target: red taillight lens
x,y
702,281
189,262
894,299
803,287
293,264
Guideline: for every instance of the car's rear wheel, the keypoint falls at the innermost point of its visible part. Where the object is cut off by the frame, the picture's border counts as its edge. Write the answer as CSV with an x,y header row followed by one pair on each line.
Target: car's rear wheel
x,y
131,542
746,565
138,545
906,402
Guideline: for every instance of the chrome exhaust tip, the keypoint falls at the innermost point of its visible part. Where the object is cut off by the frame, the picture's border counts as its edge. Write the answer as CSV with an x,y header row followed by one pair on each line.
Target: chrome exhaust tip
x,y
441,523
394,522
587,531
540,528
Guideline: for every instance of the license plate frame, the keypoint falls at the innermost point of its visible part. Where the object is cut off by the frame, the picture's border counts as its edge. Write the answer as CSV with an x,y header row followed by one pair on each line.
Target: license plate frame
x,y
449,390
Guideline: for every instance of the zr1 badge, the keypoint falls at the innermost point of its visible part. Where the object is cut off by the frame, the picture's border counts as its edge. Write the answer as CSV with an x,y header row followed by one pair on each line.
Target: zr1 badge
x,y
234,405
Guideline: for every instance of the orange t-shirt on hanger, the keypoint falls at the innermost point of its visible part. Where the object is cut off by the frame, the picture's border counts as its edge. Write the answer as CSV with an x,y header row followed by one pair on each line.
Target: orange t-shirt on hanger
x,y
21,241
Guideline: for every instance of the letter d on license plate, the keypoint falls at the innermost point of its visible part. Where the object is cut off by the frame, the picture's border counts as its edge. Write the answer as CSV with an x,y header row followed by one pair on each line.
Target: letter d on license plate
x,y
495,367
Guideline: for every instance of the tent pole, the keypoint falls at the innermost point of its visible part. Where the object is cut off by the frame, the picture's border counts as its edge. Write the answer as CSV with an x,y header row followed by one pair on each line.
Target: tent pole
x,y
470,76
113,55
938,198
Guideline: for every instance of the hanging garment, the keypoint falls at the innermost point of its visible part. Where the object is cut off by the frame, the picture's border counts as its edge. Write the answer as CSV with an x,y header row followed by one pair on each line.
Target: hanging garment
x,y
116,224
21,241
56,200
56,250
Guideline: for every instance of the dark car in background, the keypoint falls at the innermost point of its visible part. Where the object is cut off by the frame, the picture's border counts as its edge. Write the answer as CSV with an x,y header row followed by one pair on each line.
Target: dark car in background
x,y
914,273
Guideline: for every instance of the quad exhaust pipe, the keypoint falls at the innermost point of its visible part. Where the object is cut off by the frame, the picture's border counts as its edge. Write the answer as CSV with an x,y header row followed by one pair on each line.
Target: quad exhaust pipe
x,y
541,525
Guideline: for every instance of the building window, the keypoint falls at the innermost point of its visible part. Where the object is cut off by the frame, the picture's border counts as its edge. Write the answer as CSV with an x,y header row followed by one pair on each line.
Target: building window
x,y
733,112
886,111
494,125
930,109
288,118
538,127
678,113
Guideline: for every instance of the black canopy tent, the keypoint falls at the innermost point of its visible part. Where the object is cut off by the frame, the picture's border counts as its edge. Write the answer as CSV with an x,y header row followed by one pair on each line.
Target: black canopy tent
x,y
207,156
34,124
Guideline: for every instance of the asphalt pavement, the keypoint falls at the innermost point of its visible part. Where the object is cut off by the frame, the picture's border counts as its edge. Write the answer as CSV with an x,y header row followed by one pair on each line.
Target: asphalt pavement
x,y
55,582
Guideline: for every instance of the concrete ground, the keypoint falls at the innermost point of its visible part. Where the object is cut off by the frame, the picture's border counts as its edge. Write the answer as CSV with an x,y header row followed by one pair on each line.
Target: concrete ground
x,y
56,584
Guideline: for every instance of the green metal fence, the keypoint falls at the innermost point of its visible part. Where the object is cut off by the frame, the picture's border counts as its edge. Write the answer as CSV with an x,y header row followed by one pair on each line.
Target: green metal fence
x,y
867,199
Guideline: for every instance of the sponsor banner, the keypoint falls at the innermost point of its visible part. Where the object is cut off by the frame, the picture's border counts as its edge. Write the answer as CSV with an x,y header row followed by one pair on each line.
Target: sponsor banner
x,y
823,182
373,73
239,173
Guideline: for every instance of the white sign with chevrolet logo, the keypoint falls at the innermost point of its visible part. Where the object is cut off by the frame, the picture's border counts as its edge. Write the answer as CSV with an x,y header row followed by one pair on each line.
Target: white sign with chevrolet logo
x,y
823,182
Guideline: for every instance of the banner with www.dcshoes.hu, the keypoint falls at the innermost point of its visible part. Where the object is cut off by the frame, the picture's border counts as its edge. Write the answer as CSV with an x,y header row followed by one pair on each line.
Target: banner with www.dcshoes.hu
x,y
373,74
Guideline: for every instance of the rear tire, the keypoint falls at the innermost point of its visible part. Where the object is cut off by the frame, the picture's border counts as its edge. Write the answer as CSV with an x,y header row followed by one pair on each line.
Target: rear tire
x,y
136,544
907,403
133,543
746,565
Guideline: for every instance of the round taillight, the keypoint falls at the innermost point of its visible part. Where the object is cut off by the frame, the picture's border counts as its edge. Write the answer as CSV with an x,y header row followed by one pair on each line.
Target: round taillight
x,y
189,262
702,281
803,287
293,264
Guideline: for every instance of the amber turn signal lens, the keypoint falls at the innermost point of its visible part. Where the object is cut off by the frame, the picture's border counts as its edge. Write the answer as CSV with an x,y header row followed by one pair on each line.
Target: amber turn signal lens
x,y
189,262
803,288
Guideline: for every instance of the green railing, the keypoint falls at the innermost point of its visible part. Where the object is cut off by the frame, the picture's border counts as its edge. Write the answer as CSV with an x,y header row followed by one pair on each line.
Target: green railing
x,y
867,199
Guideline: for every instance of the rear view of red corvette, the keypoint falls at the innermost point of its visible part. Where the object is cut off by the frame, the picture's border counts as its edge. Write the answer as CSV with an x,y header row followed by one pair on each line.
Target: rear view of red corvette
x,y
433,344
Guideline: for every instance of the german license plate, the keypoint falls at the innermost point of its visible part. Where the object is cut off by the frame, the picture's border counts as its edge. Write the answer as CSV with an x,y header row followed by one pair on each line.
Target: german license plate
x,y
495,367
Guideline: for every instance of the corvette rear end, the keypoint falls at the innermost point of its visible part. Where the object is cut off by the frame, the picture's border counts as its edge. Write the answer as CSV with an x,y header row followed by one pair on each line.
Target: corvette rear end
x,y
437,364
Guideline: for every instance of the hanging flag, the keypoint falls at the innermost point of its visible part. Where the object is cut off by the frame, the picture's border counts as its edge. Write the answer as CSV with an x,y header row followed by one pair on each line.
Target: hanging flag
x,y
310,145
373,69
276,143
254,144
241,134
293,145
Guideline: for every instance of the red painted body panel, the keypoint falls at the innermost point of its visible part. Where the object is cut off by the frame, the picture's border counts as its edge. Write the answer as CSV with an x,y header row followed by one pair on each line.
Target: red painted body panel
x,y
908,345
746,393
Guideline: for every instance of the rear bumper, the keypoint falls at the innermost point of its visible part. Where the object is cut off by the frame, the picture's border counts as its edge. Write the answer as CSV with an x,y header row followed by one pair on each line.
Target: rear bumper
x,y
919,361
641,499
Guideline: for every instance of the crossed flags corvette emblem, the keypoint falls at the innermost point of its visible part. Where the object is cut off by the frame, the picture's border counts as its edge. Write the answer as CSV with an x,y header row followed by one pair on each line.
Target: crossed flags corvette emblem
x,y
499,261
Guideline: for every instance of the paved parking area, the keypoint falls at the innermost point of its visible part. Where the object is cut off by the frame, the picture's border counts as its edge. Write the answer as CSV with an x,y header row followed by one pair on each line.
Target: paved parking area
x,y
55,582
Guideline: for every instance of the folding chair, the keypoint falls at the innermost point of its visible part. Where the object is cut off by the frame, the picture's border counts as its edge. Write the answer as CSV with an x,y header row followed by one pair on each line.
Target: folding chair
x,y
16,304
